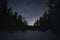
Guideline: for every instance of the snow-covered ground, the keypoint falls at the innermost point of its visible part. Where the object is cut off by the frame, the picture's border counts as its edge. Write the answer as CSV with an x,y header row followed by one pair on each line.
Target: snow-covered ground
x,y
28,35
49,30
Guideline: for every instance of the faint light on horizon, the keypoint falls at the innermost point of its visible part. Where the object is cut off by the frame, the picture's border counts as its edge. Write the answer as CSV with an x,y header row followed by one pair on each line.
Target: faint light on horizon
x,y
31,23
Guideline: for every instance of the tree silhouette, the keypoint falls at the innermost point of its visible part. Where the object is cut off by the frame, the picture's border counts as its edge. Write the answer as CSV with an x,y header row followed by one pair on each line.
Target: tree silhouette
x,y
54,16
20,19
3,13
36,23
15,15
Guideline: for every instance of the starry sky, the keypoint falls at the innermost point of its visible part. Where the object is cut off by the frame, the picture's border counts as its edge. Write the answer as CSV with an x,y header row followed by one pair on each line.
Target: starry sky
x,y
30,9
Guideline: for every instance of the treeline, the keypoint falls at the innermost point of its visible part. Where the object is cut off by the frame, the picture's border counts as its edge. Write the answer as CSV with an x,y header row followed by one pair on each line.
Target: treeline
x,y
50,19
42,23
10,20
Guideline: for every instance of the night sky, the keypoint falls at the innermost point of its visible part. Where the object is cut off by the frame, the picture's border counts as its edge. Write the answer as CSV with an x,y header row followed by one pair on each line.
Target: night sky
x,y
30,9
